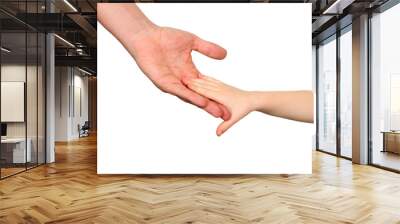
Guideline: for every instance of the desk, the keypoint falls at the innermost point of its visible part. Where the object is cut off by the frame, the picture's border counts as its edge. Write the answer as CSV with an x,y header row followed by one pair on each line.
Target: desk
x,y
13,150
391,141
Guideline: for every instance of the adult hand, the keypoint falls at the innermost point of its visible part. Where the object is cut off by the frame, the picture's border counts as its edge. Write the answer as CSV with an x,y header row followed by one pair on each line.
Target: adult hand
x,y
164,55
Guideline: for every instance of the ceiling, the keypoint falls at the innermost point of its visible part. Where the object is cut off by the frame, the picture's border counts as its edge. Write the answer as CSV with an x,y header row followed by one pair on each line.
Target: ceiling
x,y
75,25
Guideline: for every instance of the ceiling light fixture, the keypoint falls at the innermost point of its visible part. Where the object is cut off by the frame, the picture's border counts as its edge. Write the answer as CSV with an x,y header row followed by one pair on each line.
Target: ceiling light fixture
x,y
338,6
5,50
80,51
70,5
84,71
65,41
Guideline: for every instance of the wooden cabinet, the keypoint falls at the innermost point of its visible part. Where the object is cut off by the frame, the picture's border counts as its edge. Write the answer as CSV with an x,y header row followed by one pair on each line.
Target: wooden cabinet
x,y
391,142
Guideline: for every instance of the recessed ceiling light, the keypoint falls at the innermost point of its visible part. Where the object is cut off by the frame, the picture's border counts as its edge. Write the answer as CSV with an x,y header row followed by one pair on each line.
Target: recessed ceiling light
x,y
64,40
338,6
5,50
70,5
84,71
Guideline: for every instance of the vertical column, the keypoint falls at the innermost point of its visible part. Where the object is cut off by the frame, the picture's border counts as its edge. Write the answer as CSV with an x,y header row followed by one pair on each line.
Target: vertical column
x,y
360,90
314,88
338,109
50,92
317,92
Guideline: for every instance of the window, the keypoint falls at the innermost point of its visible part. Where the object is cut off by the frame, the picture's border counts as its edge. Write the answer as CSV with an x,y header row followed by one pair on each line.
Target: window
x,y
346,92
327,96
385,89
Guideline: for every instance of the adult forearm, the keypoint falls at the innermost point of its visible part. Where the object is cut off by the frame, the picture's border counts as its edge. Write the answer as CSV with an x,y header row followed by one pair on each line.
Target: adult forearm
x,y
125,21
294,105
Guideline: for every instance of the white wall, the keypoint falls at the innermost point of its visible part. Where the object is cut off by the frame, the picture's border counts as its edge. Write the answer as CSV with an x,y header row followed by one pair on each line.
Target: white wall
x,y
62,81
70,83
80,83
12,73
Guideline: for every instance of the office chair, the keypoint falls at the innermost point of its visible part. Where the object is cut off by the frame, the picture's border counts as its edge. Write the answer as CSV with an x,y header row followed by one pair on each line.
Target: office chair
x,y
84,130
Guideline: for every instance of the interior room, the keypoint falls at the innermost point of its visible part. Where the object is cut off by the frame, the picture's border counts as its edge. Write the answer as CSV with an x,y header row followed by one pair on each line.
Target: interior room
x,y
48,150
22,102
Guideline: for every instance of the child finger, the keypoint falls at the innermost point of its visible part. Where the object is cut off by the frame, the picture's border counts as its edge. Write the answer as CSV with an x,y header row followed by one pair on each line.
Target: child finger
x,y
224,126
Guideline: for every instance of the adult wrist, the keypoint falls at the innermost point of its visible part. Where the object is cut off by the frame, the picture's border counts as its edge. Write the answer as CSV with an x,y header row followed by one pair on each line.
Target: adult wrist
x,y
136,36
146,29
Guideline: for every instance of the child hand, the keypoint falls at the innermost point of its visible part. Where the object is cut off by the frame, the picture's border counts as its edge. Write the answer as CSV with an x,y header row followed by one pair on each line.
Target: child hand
x,y
236,100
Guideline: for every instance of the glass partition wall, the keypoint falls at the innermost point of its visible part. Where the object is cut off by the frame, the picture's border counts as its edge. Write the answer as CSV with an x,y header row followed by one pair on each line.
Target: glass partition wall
x,y
22,77
334,117
334,110
13,89
385,89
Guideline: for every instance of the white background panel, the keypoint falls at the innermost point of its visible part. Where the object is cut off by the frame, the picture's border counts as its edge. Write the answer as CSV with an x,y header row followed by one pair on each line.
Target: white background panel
x,y
142,130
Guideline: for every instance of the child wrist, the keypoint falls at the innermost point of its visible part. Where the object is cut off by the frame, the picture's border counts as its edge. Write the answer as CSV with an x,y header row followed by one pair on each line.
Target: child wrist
x,y
254,101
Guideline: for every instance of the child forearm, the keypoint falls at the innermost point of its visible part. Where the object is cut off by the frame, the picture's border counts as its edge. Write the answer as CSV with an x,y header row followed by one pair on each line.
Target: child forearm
x,y
294,105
